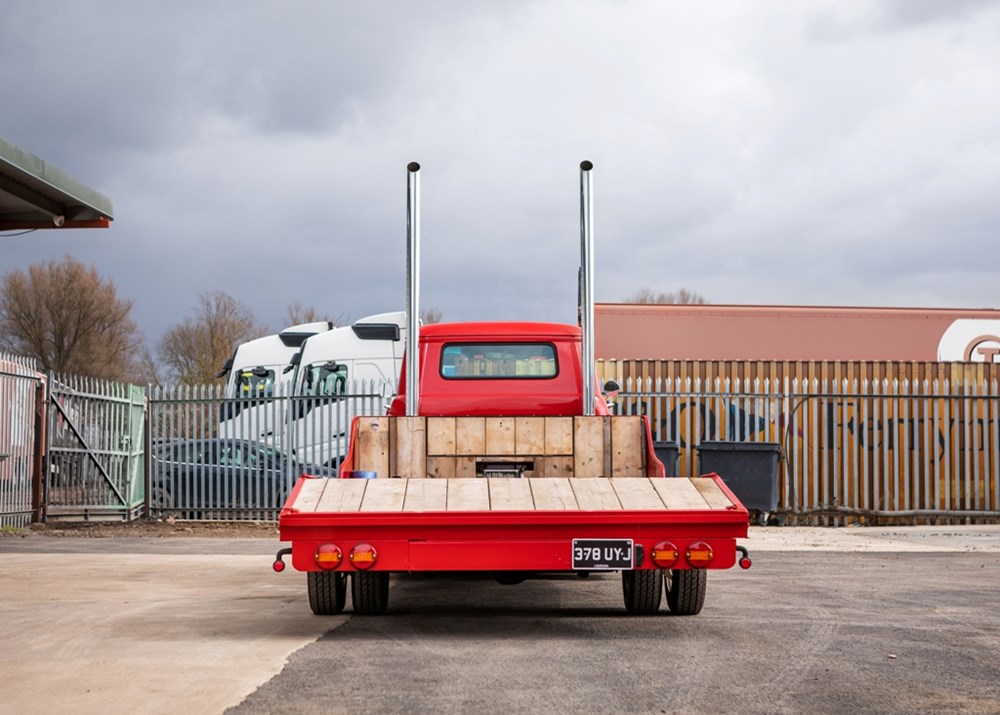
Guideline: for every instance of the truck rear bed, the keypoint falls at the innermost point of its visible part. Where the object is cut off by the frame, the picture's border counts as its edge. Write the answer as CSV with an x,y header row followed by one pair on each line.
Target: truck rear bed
x,y
498,524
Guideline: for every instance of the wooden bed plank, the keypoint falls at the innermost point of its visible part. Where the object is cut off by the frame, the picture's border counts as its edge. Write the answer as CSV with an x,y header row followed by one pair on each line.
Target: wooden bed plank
x,y
470,436
477,494
636,493
679,493
595,494
588,447
552,494
500,436
465,467
441,436
468,495
373,445
309,494
558,436
441,467
426,495
554,467
714,496
529,436
384,495
510,495
342,495
626,447
409,453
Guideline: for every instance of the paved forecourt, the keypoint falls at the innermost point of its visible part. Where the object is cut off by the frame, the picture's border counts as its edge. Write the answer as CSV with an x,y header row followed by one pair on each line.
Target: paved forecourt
x,y
195,625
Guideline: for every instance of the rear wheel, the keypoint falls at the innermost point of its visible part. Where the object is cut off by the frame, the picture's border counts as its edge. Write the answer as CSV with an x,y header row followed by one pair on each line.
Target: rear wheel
x,y
327,592
370,592
643,590
686,591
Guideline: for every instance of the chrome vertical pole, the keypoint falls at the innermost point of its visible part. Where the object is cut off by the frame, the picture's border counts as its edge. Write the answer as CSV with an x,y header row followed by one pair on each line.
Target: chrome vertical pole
x,y
412,287
587,286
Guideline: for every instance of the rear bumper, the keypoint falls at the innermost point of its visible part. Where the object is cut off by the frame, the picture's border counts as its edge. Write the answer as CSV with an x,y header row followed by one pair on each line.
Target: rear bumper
x,y
506,541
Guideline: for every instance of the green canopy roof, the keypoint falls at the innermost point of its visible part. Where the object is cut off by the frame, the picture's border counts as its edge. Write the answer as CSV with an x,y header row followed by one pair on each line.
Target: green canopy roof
x,y
35,194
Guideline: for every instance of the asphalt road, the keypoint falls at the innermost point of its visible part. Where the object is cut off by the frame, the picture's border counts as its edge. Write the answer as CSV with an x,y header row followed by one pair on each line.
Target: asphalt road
x,y
826,621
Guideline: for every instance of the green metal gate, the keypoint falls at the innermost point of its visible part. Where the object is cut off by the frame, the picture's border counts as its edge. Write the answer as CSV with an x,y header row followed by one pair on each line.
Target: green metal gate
x,y
95,451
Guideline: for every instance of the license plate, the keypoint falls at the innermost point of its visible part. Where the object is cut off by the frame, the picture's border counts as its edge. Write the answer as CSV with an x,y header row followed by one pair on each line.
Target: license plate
x,y
602,554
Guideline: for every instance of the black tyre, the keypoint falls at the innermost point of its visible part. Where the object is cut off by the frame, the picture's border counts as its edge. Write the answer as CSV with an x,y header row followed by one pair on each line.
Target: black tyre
x,y
370,592
327,592
643,590
686,591
509,578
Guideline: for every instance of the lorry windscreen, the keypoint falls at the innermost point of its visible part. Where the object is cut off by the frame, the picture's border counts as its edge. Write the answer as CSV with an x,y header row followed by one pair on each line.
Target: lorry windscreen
x,y
464,361
327,378
256,382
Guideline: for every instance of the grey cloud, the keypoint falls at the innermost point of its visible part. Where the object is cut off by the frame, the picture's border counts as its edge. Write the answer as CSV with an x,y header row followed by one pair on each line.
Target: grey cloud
x,y
894,14
260,149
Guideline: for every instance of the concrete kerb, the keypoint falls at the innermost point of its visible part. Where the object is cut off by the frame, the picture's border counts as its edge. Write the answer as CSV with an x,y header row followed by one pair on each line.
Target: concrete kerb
x,y
985,538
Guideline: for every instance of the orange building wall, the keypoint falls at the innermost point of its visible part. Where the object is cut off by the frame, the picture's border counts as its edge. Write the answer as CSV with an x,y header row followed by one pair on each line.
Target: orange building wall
x,y
744,332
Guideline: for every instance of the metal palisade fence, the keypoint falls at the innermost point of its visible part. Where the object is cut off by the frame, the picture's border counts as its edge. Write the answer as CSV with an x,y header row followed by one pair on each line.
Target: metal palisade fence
x,y
217,457
22,394
875,451
873,443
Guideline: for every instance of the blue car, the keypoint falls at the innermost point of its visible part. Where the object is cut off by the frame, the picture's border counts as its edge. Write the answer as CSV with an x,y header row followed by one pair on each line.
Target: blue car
x,y
201,478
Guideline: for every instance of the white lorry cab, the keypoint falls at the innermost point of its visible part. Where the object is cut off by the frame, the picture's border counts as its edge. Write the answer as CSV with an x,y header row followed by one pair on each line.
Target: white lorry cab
x,y
257,366
341,373
259,370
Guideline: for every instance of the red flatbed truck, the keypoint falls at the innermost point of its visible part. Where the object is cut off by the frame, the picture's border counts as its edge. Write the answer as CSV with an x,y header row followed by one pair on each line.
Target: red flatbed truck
x,y
497,456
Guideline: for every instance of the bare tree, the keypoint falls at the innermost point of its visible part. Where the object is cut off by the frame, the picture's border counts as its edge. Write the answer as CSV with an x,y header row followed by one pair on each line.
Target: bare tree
x,y
193,351
682,297
430,315
146,372
298,314
65,316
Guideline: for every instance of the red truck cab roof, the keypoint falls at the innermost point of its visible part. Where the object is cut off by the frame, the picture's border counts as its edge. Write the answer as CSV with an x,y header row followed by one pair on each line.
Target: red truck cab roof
x,y
498,369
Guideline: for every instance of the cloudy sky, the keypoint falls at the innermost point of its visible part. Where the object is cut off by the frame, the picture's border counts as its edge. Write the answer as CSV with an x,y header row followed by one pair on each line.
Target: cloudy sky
x,y
809,152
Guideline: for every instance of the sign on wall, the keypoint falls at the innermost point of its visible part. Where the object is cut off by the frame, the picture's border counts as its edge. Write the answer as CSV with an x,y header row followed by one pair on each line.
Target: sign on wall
x,y
971,341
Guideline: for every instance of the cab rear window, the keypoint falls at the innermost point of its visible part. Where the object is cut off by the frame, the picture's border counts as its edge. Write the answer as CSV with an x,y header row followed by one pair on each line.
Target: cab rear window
x,y
464,361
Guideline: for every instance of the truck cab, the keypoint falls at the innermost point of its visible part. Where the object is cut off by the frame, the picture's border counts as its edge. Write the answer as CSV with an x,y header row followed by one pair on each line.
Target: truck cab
x,y
503,368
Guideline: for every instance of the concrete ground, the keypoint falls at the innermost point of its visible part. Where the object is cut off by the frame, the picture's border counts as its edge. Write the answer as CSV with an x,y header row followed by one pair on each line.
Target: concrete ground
x,y
166,625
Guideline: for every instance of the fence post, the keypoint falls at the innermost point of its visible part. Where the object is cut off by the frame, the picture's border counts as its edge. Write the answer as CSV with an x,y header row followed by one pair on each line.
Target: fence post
x,y
38,459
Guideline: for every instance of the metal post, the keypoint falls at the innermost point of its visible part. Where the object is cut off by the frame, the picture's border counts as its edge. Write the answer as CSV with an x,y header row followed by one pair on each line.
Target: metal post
x,y
412,287
38,459
587,286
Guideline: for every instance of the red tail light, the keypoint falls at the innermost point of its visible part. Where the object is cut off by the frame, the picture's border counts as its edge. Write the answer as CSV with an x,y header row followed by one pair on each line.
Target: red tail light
x,y
699,554
363,556
329,557
664,555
